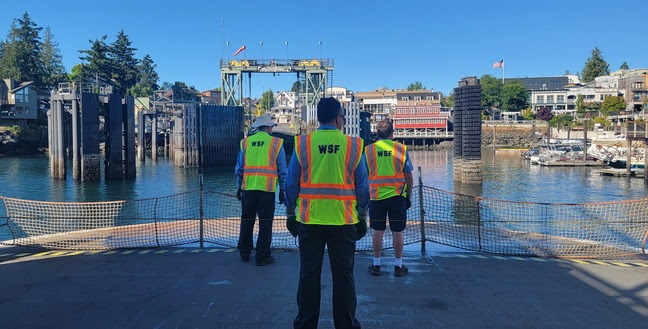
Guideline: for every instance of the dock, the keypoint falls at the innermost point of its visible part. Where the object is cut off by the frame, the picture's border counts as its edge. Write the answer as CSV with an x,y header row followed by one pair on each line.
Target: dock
x,y
572,163
621,173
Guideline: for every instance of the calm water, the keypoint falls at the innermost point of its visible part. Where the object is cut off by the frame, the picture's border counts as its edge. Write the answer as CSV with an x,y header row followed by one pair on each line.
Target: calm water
x,y
505,177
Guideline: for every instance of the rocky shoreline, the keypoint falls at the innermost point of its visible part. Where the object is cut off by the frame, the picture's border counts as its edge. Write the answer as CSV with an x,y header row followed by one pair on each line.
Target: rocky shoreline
x,y
21,140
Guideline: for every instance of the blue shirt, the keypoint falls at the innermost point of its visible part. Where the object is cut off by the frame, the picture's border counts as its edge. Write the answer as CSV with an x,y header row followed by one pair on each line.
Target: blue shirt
x,y
361,180
281,167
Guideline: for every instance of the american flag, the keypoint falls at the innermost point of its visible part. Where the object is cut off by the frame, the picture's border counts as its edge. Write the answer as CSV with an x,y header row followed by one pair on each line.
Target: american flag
x,y
499,64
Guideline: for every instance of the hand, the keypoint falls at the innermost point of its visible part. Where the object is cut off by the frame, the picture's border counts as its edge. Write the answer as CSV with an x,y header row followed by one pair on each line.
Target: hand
x,y
361,226
408,203
282,196
239,194
291,221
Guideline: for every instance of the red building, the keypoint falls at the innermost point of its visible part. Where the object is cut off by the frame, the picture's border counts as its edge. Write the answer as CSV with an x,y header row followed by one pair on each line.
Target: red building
x,y
418,113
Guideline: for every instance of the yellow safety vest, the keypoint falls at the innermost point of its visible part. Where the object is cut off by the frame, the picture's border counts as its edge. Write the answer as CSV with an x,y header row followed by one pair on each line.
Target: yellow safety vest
x,y
260,170
386,160
328,161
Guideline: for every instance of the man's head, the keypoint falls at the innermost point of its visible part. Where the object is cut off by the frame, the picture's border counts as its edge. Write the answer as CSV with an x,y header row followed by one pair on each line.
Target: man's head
x,y
264,123
329,112
385,129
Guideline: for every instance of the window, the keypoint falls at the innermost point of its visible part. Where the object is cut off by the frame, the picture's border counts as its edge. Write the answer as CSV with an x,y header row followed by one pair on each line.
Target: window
x,y
417,98
637,97
550,98
540,99
560,98
429,98
22,95
405,99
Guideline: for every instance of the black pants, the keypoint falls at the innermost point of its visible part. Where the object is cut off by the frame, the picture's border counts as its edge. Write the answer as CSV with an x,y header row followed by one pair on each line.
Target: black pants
x,y
341,249
263,204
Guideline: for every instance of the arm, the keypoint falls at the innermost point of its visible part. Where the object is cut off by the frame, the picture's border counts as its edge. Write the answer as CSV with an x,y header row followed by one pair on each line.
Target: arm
x,y
282,169
362,185
240,163
292,182
407,171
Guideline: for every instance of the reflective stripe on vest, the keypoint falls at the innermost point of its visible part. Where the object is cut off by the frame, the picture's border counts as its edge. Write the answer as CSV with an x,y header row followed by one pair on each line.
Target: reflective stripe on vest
x,y
386,178
328,160
260,170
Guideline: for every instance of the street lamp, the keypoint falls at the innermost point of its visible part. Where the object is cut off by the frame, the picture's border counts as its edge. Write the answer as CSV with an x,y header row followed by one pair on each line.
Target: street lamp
x,y
320,49
261,44
286,43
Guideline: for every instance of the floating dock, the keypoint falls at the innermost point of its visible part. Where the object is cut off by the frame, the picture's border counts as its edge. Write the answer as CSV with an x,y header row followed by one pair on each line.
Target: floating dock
x,y
572,163
621,172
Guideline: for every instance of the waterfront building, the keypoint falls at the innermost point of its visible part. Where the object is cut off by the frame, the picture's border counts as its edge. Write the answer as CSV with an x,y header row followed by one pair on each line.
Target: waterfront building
x,y
212,96
18,102
343,95
418,113
380,103
546,83
635,89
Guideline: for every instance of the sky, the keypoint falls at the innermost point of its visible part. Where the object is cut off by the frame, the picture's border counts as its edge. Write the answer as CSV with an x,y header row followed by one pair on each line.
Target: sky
x,y
373,43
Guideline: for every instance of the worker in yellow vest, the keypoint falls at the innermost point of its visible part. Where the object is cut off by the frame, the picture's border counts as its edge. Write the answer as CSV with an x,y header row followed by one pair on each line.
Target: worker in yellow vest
x,y
327,196
260,167
390,182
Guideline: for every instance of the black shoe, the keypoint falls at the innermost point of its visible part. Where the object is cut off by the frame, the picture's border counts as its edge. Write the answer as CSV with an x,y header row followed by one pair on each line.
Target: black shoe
x,y
245,258
400,271
265,261
374,270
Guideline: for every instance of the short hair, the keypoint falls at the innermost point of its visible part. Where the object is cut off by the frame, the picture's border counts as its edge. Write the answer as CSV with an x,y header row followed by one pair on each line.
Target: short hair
x,y
328,109
385,129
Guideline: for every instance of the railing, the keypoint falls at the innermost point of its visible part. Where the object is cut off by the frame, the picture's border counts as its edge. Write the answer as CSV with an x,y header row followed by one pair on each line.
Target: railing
x,y
596,230
636,129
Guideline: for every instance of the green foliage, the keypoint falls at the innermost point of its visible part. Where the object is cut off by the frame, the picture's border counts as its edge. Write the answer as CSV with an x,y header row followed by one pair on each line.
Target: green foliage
x,y
491,91
561,120
528,114
147,78
51,58
124,64
21,51
595,66
75,74
624,66
592,106
417,85
296,87
580,103
448,101
267,100
184,92
514,96
613,105
96,64
603,121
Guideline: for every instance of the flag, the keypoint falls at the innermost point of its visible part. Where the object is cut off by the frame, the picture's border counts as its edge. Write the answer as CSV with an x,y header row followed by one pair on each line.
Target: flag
x,y
239,50
499,64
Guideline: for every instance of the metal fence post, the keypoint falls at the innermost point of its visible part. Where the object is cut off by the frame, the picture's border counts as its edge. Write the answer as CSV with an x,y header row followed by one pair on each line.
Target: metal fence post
x,y
479,237
202,213
421,211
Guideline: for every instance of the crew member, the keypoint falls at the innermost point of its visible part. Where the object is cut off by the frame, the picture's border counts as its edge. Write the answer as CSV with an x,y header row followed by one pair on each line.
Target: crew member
x,y
327,183
390,180
260,167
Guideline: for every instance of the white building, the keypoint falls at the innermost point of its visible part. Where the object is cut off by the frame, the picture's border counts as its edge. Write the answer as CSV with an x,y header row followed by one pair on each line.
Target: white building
x,y
342,94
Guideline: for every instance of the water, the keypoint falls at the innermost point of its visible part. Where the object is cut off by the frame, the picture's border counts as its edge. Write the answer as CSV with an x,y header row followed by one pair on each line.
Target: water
x,y
506,176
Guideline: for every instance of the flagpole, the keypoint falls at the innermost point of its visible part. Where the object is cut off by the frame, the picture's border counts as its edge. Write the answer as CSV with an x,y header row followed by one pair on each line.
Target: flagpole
x,y
502,72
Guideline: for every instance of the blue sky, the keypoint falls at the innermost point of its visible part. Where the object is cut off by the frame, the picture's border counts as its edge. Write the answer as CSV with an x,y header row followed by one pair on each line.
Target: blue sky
x,y
374,43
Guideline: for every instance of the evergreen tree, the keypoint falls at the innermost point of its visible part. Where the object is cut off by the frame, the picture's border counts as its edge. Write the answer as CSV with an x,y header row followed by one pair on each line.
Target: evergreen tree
x,y
595,66
50,57
267,100
416,86
147,78
624,66
21,52
125,65
96,63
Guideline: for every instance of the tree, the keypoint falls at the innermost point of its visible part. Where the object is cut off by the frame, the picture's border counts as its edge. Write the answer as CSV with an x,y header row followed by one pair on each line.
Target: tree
x,y
567,72
491,91
528,114
544,113
51,60
624,66
561,120
447,101
75,73
184,92
96,63
613,105
514,96
580,104
416,86
21,52
267,100
296,87
147,78
595,66
166,85
124,64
